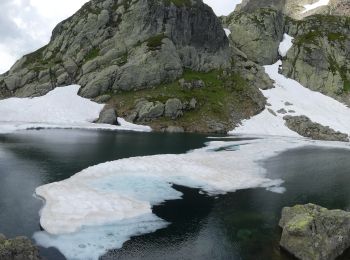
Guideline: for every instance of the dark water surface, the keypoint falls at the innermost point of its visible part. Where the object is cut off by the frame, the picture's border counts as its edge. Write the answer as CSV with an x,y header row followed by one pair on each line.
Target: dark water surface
x,y
240,225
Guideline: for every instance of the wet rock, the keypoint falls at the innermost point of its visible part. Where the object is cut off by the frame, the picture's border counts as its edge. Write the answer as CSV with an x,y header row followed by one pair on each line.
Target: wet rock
x,y
19,248
311,232
305,127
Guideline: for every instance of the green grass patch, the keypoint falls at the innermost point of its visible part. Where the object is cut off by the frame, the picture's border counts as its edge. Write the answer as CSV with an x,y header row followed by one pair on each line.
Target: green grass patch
x,y
155,42
221,97
34,57
92,54
334,36
347,85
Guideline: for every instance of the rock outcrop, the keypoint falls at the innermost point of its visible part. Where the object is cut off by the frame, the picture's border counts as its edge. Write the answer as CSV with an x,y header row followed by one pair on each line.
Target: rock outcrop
x,y
20,248
113,45
320,54
108,116
305,127
257,34
313,232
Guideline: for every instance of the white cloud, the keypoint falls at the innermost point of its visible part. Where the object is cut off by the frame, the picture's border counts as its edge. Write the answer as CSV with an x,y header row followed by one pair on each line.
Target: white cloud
x,y
26,25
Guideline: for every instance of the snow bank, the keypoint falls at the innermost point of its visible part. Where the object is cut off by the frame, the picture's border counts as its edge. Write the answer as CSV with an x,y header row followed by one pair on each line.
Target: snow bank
x,y
285,45
290,98
103,206
60,108
315,5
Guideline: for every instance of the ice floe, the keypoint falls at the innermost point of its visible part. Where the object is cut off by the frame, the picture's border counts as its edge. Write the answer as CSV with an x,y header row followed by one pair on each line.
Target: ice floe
x,y
60,108
103,206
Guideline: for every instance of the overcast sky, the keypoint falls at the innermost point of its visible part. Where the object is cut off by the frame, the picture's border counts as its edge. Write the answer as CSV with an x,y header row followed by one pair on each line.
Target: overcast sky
x,y
26,25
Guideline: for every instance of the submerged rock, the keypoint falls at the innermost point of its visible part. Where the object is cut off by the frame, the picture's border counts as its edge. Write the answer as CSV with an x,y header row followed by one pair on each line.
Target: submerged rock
x,y
305,127
311,232
19,248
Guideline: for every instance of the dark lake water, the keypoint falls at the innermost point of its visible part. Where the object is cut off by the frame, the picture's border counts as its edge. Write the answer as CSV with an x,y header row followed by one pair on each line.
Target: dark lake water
x,y
240,225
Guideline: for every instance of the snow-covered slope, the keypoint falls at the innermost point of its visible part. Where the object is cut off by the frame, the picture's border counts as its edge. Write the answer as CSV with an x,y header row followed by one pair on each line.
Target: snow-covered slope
x,y
315,5
290,98
60,108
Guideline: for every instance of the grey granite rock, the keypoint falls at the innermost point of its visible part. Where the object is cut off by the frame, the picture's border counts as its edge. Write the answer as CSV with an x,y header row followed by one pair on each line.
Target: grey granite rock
x,y
313,232
305,127
173,108
108,116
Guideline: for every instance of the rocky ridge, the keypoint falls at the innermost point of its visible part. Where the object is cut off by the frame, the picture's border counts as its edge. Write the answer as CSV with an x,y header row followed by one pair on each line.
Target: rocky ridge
x,y
318,58
161,51
107,42
305,127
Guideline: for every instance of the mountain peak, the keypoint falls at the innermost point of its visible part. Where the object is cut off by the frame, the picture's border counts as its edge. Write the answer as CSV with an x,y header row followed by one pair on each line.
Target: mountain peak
x,y
107,42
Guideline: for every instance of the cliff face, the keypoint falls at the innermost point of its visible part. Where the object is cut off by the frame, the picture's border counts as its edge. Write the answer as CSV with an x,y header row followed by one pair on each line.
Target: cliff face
x,y
112,45
320,54
321,51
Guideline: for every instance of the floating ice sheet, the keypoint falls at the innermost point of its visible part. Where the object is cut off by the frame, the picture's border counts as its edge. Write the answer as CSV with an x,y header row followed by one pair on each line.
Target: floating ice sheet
x,y
106,196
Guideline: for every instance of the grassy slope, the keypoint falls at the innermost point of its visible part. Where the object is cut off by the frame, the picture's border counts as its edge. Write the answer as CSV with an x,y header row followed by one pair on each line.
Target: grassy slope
x,y
224,100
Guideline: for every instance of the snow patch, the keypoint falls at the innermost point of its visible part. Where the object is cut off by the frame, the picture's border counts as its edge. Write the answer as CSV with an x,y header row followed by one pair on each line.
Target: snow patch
x,y
60,108
296,100
313,6
227,32
285,45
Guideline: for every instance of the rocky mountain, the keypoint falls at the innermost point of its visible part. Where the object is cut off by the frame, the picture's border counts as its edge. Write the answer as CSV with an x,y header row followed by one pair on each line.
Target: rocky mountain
x,y
170,65
318,59
107,42
153,60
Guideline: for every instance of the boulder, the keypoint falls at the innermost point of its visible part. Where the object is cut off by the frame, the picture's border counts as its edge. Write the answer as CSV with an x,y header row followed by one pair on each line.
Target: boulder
x,y
19,248
108,116
311,232
191,84
282,111
147,111
173,108
305,127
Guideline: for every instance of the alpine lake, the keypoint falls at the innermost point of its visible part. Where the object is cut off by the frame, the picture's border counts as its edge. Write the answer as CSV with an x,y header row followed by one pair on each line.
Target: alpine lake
x,y
239,225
